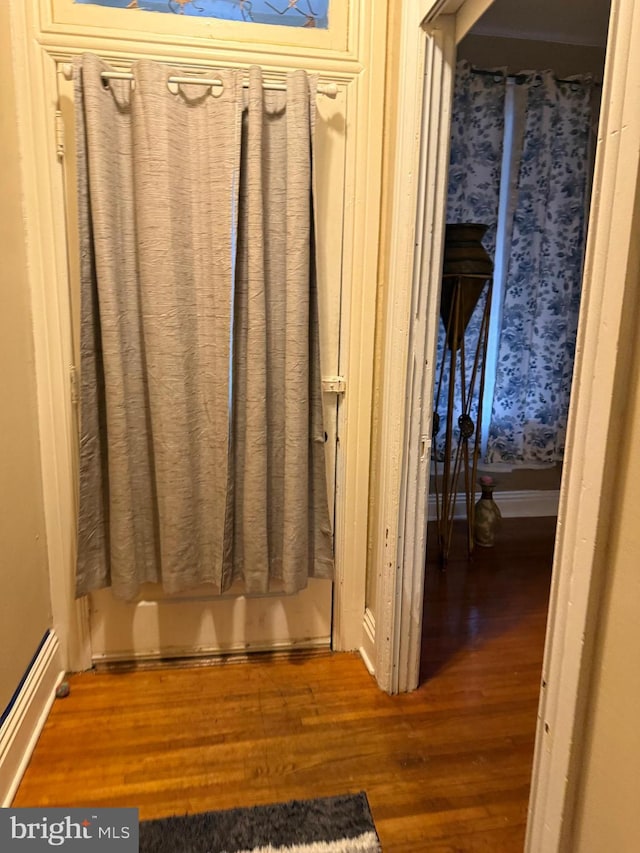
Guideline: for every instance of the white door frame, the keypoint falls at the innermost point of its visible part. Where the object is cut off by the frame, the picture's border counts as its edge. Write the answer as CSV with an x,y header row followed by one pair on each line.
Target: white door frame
x,y
356,64
602,354
429,35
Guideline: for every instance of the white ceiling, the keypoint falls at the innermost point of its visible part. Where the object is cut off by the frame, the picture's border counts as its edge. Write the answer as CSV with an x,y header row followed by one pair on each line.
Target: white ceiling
x,y
567,21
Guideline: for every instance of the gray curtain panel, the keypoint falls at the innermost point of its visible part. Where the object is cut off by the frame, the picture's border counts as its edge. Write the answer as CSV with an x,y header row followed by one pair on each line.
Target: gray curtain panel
x,y
201,448
281,520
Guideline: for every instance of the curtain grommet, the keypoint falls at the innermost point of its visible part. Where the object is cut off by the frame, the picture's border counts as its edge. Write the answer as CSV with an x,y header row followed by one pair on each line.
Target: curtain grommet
x,y
218,89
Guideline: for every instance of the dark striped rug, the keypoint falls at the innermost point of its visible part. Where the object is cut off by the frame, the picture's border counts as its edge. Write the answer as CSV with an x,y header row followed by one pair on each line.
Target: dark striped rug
x,y
329,825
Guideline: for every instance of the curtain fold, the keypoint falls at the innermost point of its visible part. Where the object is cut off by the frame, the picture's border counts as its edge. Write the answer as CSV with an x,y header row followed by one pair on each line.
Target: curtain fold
x,y
544,228
282,527
198,383
542,292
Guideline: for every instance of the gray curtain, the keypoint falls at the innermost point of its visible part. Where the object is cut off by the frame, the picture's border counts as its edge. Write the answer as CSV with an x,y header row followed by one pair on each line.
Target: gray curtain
x,y
202,444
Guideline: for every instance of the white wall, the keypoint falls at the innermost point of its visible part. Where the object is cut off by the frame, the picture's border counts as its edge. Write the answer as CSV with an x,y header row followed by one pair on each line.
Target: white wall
x,y
608,798
24,584
520,54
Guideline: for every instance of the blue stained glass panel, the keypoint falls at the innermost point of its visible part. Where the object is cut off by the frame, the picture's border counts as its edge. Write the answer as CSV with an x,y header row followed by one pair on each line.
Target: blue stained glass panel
x,y
290,13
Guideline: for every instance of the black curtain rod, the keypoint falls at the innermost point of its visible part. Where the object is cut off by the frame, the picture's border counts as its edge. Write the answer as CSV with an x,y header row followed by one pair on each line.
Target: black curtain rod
x,y
521,78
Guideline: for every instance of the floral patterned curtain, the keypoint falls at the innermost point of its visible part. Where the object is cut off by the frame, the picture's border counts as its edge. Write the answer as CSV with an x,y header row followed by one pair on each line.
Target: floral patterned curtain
x,y
542,294
473,196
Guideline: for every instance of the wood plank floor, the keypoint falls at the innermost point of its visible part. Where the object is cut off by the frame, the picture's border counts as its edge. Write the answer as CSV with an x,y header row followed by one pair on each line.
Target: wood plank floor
x,y
446,768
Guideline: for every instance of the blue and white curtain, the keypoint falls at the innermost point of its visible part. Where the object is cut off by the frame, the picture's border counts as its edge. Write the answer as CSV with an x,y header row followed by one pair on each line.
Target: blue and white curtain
x,y
474,187
542,184
544,274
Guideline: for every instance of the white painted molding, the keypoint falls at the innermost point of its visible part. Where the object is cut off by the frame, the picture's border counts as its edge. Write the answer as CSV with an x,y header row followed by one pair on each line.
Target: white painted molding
x,y
406,192
466,13
47,270
594,436
367,661
521,504
22,726
430,10
422,154
425,302
368,647
193,653
363,188
469,15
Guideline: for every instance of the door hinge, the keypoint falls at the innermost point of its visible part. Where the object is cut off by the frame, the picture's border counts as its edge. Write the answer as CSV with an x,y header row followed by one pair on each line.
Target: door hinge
x,y
73,382
334,385
59,135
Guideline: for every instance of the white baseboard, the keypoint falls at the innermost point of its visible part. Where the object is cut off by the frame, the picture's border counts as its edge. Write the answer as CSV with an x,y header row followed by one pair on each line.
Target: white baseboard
x,y
525,504
367,649
22,726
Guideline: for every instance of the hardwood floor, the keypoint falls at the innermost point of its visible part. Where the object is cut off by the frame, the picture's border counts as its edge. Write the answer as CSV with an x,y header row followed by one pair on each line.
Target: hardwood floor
x,y
446,768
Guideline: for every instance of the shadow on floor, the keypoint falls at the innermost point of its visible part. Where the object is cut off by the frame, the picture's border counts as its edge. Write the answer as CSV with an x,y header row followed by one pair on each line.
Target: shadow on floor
x,y
475,600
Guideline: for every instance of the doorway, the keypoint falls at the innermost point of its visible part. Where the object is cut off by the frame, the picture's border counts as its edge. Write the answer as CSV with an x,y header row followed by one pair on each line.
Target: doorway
x,y
199,623
509,65
524,128
593,426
